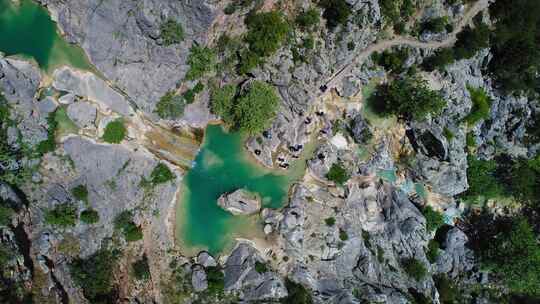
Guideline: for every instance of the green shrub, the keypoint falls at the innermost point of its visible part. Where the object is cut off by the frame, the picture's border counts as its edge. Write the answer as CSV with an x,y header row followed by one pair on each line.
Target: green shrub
x,y
409,98
393,61
90,216
222,103
343,235
335,12
63,215
439,60
448,293
201,60
433,251
161,174
5,213
297,294
124,223
80,193
170,106
395,12
216,280
482,179
94,275
266,32
470,140
141,269
49,144
524,181
115,131
514,256
481,104
471,40
256,108
172,32
330,221
448,134
415,269
338,174
435,25
260,267
308,18
434,219
189,95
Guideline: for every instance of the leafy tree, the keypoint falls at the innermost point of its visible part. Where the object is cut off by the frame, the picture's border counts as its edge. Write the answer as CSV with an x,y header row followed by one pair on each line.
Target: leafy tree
x,y
161,174
335,12
439,60
414,268
170,106
435,25
514,255
222,103
201,60
90,216
80,193
115,131
297,294
256,108
393,61
308,18
481,104
266,32
216,280
338,174
524,181
63,215
172,32
94,275
471,40
189,95
409,98
395,12
141,269
124,223
434,219
260,267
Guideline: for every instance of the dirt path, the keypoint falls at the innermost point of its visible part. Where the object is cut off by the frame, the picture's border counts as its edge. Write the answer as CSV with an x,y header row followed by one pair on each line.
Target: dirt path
x,y
405,41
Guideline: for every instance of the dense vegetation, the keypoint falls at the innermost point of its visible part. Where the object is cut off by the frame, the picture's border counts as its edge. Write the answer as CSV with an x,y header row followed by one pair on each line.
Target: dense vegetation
x,y
201,60
336,12
172,32
434,219
516,45
141,269
297,294
94,275
392,61
266,33
409,98
396,13
115,131
216,280
124,223
436,25
90,216
308,19
338,174
481,104
251,111
433,251
80,193
170,106
415,268
161,174
6,212
62,215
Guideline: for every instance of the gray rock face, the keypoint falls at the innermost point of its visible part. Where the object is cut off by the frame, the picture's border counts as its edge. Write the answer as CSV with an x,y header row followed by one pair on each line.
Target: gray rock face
x,y
206,260
240,202
122,40
198,279
242,278
82,113
361,130
456,258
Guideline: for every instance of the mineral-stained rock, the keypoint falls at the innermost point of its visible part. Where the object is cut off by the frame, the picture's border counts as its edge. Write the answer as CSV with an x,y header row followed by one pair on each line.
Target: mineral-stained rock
x,y
240,202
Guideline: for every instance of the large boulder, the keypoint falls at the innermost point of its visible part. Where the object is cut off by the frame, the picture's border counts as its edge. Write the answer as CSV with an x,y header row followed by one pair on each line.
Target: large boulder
x,y
240,202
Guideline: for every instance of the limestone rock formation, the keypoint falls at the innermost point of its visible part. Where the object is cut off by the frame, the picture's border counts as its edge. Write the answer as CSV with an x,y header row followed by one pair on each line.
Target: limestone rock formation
x,y
240,202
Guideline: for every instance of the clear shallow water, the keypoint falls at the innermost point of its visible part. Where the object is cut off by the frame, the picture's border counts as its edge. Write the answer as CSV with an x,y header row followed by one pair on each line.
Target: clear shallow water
x,y
27,29
222,166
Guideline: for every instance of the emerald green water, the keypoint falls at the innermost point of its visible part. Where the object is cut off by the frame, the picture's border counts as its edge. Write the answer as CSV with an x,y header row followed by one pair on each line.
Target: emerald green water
x,y
222,166
27,29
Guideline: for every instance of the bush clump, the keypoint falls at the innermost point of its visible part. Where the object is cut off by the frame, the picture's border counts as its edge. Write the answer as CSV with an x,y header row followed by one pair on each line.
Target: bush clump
x,y
94,275
124,223
393,61
222,102
161,174
5,213
63,215
216,280
115,131
433,251
338,174
261,267
439,60
172,32
481,104
49,144
435,25
297,294
335,12
141,269
471,40
201,60
90,216
415,268
330,221
395,12
308,18
170,106
255,109
434,219
409,98
80,193
482,179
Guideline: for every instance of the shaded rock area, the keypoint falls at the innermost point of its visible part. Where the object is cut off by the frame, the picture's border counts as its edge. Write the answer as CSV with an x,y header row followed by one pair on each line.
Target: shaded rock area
x,y
240,202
